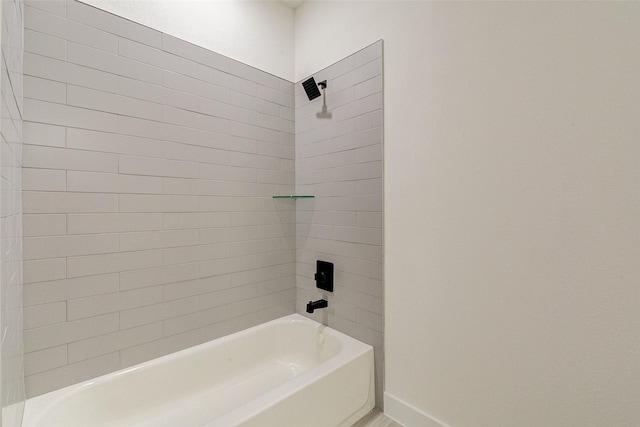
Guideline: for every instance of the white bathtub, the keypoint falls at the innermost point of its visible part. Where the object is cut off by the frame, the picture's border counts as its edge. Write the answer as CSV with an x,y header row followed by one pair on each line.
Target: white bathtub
x,y
288,372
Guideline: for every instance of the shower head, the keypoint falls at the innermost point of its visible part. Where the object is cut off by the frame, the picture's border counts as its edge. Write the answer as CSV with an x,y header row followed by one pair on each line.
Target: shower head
x,y
311,88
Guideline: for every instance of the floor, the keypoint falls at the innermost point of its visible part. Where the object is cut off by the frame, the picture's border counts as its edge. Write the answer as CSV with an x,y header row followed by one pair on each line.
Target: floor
x,y
376,419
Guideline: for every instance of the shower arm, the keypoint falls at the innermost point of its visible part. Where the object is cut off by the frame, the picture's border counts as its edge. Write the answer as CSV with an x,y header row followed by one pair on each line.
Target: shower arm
x,y
323,86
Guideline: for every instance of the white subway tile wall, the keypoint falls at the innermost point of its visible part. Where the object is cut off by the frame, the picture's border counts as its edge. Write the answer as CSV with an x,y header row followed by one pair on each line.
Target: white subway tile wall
x,y
149,170
11,137
339,160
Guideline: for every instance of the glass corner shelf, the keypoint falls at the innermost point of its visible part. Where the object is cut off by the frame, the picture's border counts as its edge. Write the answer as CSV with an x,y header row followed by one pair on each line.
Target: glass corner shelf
x,y
293,196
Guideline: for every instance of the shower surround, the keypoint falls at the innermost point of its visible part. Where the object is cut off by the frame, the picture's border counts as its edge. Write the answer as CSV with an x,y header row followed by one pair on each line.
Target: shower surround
x,y
12,383
149,170
339,160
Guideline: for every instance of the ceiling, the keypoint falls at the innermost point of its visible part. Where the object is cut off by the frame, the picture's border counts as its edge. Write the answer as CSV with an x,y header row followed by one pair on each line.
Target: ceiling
x,y
293,4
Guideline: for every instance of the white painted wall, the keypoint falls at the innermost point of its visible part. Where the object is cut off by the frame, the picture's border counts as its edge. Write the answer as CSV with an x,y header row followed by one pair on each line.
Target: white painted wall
x,y
512,205
256,32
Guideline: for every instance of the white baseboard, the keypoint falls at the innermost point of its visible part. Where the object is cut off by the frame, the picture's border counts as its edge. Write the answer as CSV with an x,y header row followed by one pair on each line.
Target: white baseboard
x,y
408,415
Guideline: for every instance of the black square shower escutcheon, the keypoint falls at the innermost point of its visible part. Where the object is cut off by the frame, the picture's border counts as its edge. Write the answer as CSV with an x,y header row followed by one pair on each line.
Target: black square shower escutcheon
x,y
324,275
